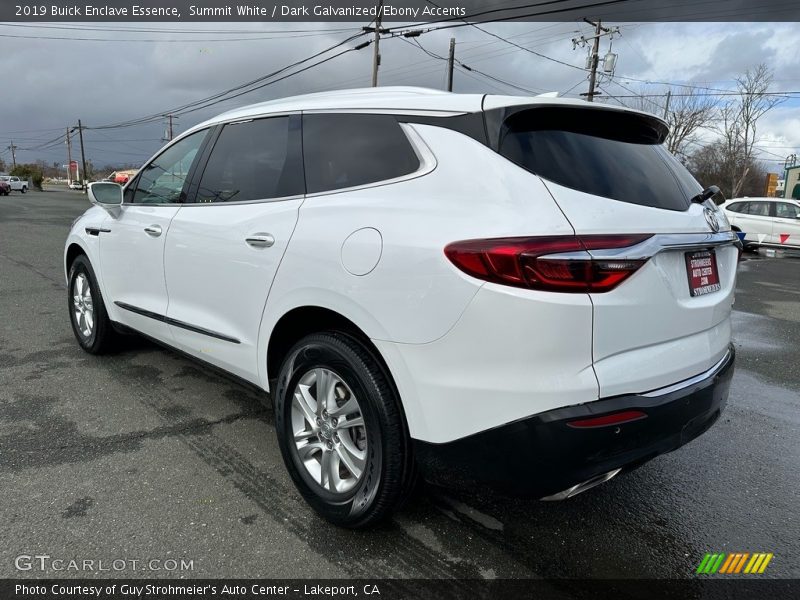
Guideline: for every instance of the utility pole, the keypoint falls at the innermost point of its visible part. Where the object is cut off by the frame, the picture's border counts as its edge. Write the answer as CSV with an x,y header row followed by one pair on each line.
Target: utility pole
x,y
451,59
376,55
666,106
13,149
594,57
83,155
595,60
69,158
169,130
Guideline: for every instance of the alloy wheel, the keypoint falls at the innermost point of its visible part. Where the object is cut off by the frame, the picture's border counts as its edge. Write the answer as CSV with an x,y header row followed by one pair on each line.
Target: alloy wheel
x,y
83,305
329,434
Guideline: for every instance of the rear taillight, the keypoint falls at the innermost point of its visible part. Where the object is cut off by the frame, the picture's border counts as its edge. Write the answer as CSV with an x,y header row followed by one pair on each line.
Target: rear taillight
x,y
553,263
619,418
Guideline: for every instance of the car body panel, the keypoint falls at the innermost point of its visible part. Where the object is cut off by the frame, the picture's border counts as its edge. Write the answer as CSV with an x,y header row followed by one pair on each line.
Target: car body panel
x,y
650,331
217,281
413,275
133,267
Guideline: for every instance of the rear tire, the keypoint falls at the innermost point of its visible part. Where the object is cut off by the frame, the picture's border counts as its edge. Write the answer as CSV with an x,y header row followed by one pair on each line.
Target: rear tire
x,y
87,311
349,453
24,190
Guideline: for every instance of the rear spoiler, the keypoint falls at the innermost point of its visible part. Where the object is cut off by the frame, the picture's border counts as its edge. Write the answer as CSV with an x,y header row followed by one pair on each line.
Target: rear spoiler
x,y
600,121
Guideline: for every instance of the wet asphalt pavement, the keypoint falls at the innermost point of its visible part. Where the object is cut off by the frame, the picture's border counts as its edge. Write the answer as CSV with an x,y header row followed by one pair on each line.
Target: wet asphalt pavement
x,y
146,455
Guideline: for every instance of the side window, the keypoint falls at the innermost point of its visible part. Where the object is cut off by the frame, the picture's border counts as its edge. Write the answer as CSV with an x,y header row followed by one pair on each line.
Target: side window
x,y
254,160
162,180
759,209
737,207
346,150
784,210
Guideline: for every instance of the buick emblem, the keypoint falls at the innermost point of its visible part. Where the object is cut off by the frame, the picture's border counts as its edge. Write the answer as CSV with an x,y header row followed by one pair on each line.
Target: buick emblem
x,y
711,219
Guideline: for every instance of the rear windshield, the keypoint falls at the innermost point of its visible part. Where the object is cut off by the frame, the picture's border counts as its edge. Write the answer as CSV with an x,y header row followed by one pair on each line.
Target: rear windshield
x,y
601,152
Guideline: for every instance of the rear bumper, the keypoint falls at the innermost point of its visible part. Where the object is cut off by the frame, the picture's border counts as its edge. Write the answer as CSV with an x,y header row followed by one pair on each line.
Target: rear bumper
x,y
543,455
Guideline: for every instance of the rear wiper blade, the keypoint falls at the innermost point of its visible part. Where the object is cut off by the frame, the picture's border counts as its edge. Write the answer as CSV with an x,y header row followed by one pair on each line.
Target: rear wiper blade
x,y
707,193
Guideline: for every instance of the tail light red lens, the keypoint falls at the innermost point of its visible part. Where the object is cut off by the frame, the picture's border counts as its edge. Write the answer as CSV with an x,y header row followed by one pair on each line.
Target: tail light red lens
x,y
619,418
552,263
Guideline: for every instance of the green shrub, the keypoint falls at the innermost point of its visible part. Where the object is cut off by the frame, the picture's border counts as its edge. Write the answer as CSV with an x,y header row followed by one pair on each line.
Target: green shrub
x,y
30,172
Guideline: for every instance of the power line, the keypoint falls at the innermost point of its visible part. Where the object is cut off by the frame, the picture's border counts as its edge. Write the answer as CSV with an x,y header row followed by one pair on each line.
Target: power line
x,y
507,41
470,69
512,17
210,100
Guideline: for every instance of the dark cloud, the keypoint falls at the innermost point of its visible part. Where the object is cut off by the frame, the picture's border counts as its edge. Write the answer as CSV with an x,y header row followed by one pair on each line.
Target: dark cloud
x,y
50,84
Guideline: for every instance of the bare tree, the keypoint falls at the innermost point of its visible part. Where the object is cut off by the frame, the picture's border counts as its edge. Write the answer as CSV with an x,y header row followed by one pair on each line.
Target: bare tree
x,y
711,163
738,123
688,113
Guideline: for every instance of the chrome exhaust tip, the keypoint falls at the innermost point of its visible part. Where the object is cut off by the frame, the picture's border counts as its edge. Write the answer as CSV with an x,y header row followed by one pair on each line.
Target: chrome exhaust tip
x,y
582,487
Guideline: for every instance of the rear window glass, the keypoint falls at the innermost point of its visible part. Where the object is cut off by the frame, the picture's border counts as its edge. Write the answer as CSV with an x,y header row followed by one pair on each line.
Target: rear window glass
x,y
605,153
347,150
784,210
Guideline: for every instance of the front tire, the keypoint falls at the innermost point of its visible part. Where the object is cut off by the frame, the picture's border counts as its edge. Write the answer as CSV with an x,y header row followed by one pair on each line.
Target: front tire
x,y
341,430
87,311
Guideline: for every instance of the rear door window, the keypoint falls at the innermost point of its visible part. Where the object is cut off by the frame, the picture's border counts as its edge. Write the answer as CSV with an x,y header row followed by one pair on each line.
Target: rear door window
x,y
612,154
348,150
758,209
254,160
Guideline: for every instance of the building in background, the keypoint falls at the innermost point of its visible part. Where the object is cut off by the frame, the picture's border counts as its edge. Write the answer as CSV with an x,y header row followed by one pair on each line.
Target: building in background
x,y
771,185
792,183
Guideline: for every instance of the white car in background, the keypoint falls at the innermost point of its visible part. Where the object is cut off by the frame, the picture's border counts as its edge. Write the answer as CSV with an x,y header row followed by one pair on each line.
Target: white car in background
x,y
15,183
528,293
772,222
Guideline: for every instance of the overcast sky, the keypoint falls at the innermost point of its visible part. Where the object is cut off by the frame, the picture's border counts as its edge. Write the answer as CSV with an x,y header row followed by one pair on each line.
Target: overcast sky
x,y
49,84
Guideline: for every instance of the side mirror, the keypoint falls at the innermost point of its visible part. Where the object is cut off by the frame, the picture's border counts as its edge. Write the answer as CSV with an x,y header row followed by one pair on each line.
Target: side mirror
x,y
105,193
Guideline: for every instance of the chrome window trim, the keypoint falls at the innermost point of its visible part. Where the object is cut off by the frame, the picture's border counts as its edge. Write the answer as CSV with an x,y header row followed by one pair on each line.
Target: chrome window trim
x,y
656,244
427,163
245,202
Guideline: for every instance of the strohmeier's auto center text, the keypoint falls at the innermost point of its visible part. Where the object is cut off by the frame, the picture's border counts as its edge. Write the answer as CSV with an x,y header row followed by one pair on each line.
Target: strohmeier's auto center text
x,y
241,10
145,590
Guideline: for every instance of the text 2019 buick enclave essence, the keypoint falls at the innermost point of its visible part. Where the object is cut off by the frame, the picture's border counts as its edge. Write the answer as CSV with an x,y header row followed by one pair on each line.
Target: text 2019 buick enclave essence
x,y
528,293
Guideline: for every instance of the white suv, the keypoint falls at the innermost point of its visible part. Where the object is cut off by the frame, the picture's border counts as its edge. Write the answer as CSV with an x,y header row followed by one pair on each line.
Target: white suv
x,y
772,222
529,293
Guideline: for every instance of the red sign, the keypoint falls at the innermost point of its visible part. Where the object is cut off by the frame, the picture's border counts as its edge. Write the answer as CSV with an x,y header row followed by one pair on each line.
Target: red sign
x,y
703,273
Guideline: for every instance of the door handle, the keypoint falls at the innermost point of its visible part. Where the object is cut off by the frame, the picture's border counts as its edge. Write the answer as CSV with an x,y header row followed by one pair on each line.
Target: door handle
x,y
154,230
260,240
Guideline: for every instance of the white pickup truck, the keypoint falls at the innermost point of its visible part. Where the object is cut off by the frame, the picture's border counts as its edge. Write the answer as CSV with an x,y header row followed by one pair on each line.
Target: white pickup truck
x,y
17,184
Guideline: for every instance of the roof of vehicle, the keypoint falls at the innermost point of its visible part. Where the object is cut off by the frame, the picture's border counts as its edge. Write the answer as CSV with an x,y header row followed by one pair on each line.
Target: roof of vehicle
x,y
759,199
399,100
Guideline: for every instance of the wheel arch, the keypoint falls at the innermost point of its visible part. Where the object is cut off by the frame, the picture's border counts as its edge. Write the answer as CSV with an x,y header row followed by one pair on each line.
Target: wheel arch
x,y
72,252
301,321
